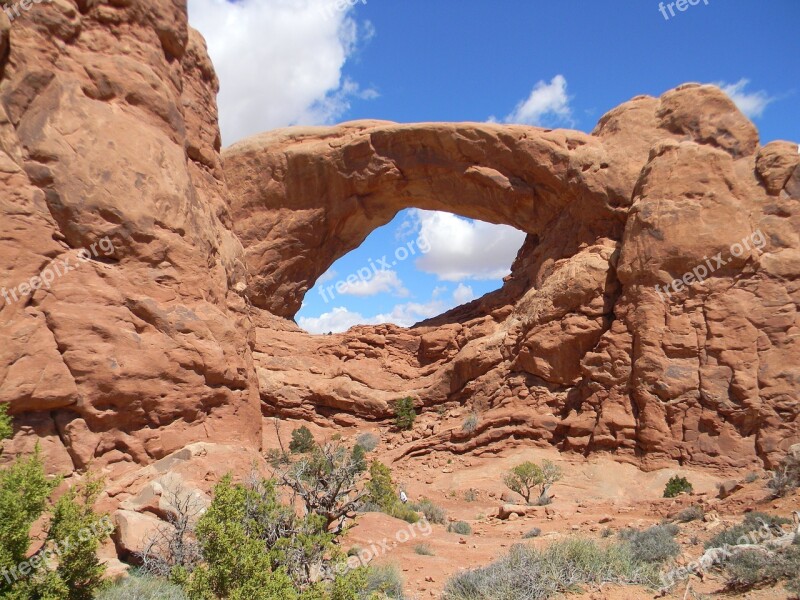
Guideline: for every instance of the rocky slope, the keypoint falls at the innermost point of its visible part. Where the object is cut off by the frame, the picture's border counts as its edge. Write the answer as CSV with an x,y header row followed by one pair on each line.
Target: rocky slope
x,y
183,333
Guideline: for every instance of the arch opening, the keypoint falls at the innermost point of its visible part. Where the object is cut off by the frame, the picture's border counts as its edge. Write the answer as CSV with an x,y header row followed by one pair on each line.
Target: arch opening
x,y
420,265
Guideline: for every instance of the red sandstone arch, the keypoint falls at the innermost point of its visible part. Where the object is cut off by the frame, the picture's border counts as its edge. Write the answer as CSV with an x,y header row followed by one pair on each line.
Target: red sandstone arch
x,y
305,197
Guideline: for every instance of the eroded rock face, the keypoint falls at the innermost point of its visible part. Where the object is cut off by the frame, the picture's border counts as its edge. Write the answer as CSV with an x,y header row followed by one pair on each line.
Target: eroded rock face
x,y
589,345
108,132
181,332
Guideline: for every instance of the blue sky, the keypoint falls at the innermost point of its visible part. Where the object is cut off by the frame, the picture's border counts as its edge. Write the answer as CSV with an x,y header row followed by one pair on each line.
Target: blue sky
x,y
286,62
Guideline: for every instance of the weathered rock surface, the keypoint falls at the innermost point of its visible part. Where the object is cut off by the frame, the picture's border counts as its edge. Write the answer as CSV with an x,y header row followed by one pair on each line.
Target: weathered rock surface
x,y
108,130
183,333
580,348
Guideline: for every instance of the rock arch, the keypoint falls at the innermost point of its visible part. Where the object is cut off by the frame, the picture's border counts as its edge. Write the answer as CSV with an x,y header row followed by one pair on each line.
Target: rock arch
x,y
305,197
578,349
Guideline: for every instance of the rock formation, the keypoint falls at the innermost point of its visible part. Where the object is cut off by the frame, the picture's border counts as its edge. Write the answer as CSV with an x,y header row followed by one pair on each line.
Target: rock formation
x,y
183,334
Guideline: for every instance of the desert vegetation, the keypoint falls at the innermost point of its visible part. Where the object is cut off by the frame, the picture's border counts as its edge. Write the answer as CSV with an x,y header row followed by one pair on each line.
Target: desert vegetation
x,y
526,573
786,476
253,543
525,478
677,485
404,413
65,566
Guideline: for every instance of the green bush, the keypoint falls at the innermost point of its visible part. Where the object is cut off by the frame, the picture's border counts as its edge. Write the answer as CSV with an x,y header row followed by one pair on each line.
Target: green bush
x,y
359,458
382,494
404,413
368,441
302,441
526,573
382,581
6,429
677,485
654,545
693,513
424,550
24,492
459,527
380,487
751,530
79,568
403,512
236,563
433,513
142,587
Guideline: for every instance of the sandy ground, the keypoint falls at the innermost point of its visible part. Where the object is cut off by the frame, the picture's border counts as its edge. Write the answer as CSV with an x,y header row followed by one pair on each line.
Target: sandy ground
x,y
595,494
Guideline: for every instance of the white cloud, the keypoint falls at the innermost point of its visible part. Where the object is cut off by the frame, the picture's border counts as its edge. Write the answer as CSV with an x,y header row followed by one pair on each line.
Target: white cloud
x,y
279,61
751,104
383,281
463,294
341,319
326,276
547,105
462,249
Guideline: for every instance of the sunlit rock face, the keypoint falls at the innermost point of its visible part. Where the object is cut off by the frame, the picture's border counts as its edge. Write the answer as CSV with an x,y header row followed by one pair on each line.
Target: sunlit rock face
x,y
149,279
651,312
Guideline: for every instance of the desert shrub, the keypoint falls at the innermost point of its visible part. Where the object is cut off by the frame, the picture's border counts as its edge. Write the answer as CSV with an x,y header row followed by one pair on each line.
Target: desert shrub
x,y
404,413
754,527
74,519
302,440
368,441
381,493
277,458
459,527
751,568
746,569
786,476
526,573
470,495
359,458
433,513
424,550
607,532
173,545
403,512
692,513
327,482
6,429
677,485
235,561
380,487
653,545
470,424
751,477
25,490
142,587
526,477
385,580
255,547
354,551
533,533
